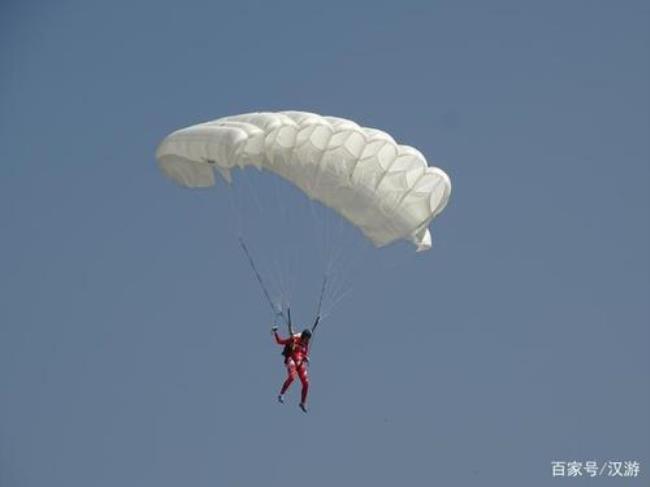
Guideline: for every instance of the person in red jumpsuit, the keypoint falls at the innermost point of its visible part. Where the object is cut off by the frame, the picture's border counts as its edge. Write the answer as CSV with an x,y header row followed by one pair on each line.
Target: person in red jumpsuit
x,y
296,359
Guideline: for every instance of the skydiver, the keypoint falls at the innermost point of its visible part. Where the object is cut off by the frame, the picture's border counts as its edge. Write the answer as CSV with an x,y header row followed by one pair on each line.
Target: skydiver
x,y
296,359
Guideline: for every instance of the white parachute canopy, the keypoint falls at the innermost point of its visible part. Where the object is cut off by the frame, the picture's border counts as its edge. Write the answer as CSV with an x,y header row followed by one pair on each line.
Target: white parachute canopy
x,y
385,189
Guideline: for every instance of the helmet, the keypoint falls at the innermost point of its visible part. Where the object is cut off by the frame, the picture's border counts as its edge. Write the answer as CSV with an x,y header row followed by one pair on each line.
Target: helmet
x,y
306,334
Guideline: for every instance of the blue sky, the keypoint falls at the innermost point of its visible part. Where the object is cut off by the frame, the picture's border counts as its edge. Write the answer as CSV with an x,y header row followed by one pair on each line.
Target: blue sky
x,y
134,344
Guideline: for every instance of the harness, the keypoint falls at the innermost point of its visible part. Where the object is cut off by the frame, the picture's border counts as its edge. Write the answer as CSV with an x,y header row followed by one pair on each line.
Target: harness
x,y
288,349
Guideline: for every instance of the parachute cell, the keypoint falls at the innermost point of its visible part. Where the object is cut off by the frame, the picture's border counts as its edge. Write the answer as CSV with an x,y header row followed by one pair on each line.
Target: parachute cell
x,y
385,189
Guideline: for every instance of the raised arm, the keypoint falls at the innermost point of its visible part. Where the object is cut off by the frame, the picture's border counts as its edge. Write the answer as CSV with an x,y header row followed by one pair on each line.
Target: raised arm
x,y
278,339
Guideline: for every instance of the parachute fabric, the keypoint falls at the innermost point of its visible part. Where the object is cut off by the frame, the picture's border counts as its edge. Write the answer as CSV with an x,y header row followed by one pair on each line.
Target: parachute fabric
x,y
385,189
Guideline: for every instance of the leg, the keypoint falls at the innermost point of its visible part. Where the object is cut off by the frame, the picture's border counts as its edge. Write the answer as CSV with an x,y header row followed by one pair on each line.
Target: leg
x,y
304,379
291,375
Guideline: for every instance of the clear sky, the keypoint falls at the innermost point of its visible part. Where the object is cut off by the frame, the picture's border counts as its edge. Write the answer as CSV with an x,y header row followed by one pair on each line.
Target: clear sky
x,y
134,343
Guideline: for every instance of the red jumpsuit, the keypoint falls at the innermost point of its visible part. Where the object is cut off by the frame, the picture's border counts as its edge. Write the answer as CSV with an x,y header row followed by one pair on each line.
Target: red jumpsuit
x,y
296,363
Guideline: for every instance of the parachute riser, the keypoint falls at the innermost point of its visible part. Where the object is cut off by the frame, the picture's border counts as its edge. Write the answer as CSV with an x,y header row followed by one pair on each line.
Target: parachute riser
x,y
274,310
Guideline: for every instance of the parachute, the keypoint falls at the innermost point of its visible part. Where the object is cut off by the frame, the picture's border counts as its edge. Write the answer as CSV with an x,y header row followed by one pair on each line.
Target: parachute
x,y
385,189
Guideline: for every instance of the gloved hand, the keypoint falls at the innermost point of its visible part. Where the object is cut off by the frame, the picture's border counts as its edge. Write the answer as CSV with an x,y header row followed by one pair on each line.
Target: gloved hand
x,y
274,329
